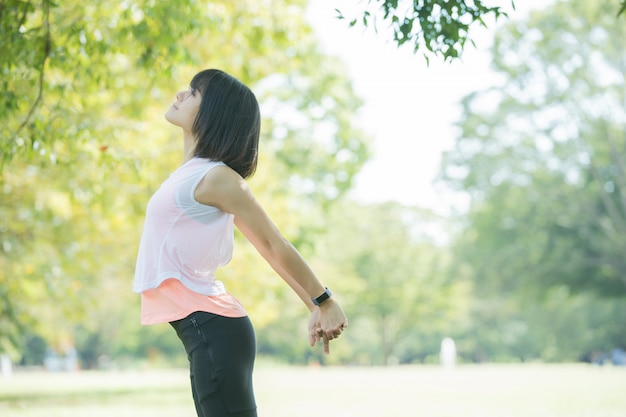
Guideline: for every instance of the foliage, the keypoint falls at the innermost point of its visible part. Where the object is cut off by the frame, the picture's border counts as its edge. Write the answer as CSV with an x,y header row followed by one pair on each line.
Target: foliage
x,y
562,327
83,145
394,277
542,156
389,278
441,27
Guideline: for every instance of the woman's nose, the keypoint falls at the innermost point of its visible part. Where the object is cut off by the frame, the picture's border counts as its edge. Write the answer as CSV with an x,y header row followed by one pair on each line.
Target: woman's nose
x,y
180,95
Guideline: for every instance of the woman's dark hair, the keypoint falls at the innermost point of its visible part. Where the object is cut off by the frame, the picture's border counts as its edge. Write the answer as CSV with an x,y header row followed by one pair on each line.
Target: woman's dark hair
x,y
228,123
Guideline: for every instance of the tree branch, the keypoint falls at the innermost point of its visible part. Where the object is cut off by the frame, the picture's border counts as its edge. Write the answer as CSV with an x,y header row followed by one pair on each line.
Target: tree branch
x,y
46,55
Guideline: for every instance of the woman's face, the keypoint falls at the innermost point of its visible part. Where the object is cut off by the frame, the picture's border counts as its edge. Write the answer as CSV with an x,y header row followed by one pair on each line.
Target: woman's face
x,y
183,111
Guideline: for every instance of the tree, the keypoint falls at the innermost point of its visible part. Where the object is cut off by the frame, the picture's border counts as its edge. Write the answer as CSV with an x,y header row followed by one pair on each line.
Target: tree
x,y
83,143
394,280
442,27
541,155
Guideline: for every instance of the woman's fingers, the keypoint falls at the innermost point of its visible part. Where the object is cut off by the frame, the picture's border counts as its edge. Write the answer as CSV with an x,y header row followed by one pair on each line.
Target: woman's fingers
x,y
317,330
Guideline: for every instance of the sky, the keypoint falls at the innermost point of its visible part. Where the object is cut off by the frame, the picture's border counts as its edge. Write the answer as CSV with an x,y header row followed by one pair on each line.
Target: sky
x,y
410,107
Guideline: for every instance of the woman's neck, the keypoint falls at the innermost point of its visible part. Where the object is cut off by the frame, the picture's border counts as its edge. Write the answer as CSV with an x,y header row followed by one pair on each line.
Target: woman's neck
x,y
189,146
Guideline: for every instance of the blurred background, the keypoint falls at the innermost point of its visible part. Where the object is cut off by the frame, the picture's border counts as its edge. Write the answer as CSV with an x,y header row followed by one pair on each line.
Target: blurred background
x,y
476,196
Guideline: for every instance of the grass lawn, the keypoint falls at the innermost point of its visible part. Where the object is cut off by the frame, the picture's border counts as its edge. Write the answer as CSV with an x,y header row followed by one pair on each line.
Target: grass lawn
x,y
404,391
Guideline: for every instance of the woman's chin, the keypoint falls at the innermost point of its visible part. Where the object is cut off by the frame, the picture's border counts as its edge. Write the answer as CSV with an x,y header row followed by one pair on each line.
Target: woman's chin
x,y
168,116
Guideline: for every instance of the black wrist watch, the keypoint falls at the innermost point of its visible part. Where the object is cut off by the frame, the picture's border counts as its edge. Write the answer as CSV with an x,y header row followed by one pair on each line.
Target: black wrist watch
x,y
325,296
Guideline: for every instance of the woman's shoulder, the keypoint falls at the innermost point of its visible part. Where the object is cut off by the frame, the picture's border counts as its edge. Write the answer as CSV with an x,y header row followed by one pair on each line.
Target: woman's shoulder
x,y
219,183
220,173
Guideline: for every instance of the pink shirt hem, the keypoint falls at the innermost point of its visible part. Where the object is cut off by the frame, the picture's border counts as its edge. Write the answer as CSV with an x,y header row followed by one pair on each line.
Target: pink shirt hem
x,y
172,301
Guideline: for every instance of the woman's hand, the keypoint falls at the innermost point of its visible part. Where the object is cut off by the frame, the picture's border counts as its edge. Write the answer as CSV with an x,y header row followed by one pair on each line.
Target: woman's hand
x,y
327,322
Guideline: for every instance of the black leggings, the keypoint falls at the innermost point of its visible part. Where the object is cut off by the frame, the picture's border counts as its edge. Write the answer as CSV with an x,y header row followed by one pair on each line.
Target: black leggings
x,y
221,353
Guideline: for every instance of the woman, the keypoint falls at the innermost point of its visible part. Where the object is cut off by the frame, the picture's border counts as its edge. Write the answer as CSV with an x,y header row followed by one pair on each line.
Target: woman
x,y
188,235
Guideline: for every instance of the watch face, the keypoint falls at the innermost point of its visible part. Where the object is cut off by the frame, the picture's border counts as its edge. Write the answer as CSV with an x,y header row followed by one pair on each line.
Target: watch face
x,y
325,296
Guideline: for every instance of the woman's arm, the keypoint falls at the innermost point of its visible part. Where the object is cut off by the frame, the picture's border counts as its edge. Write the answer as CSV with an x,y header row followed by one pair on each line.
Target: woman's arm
x,y
225,189
266,252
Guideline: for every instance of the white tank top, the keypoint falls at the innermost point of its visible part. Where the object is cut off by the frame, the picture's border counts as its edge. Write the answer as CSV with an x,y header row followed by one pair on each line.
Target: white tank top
x,y
184,239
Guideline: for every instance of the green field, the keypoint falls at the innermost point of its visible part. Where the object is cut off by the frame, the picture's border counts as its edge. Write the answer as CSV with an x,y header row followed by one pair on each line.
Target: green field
x,y
404,391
